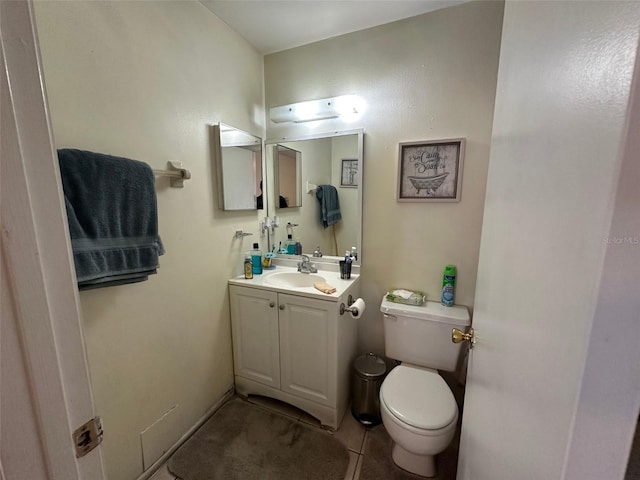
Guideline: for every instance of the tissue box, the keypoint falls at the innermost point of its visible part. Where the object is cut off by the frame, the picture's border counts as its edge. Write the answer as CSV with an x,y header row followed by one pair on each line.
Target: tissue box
x,y
408,297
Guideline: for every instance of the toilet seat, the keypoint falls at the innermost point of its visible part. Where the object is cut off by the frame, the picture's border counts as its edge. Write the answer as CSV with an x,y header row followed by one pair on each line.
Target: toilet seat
x,y
419,398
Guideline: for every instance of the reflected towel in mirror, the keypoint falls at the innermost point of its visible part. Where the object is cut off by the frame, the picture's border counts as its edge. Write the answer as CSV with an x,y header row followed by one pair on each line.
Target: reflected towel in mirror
x,y
330,214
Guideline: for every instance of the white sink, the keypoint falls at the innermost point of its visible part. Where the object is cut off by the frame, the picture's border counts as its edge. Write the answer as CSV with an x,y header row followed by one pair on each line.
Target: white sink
x,y
292,279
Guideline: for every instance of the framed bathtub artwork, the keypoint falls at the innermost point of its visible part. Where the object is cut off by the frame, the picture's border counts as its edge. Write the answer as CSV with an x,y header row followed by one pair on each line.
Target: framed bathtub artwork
x,y
430,171
349,175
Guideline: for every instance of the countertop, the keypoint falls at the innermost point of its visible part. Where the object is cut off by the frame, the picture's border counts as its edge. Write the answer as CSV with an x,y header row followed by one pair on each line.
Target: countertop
x,y
331,277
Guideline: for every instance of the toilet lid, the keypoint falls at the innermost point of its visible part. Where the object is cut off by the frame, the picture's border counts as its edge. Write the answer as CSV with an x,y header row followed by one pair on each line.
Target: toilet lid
x,y
418,397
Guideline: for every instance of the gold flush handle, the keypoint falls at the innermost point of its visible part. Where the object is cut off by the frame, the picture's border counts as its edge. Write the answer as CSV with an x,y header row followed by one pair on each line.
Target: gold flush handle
x,y
458,336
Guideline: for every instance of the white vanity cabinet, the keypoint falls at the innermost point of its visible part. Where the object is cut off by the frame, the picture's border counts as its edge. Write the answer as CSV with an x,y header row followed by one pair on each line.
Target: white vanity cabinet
x,y
293,348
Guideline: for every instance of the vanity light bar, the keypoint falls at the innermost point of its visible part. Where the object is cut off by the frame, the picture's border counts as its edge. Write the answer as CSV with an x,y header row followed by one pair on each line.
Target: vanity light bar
x,y
322,109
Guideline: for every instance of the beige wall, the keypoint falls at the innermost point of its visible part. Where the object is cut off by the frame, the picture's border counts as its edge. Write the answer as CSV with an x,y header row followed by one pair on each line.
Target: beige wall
x,y
144,80
428,77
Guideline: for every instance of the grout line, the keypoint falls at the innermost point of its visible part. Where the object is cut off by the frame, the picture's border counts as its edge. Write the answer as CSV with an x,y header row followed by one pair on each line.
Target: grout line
x,y
356,474
364,440
351,466
364,435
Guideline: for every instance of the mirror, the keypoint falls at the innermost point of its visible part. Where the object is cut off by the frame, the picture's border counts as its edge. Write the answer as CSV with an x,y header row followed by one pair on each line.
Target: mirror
x,y
238,158
325,159
288,176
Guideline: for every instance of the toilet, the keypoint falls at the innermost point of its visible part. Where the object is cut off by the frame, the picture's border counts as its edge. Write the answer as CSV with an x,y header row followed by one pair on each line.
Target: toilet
x,y
417,406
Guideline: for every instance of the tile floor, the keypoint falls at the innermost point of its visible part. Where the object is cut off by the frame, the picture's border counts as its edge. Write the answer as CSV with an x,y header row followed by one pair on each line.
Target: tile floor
x,y
351,433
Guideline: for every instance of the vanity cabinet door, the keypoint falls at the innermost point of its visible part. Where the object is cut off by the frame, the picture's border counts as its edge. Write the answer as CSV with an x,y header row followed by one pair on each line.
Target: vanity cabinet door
x,y
308,343
254,327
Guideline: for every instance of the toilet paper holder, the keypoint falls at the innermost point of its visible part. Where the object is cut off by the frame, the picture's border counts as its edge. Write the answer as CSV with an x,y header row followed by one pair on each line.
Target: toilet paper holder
x,y
348,308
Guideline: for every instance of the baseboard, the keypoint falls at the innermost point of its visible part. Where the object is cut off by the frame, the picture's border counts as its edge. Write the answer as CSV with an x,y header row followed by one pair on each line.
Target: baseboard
x,y
163,459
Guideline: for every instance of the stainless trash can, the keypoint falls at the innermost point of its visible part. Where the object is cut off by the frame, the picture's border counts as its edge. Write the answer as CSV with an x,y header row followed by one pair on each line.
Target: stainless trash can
x,y
368,373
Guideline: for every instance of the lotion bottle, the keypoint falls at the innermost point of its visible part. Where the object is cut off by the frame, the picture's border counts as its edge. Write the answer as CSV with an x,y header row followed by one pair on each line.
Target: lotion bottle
x,y
248,267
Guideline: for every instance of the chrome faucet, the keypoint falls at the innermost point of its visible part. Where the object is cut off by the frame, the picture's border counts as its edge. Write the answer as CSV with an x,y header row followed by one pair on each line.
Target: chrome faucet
x,y
305,266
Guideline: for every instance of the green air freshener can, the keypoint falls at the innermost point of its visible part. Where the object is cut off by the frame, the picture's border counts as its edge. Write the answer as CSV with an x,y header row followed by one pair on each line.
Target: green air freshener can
x,y
449,285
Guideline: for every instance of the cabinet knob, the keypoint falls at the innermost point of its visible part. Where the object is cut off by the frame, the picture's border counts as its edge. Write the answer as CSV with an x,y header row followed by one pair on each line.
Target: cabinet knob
x,y
272,304
281,307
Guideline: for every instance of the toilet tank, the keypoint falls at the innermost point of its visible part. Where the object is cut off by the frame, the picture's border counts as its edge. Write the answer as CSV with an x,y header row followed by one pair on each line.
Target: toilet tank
x,y
421,335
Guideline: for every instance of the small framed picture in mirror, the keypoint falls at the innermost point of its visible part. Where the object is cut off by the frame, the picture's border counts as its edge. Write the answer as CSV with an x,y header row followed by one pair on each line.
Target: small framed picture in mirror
x,y
349,176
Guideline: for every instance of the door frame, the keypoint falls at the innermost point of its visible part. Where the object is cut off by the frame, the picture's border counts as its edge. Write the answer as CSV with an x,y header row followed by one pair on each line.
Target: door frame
x,y
38,269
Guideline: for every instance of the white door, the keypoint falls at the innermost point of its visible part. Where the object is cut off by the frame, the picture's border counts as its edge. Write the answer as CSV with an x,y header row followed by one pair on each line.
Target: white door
x,y
550,393
45,388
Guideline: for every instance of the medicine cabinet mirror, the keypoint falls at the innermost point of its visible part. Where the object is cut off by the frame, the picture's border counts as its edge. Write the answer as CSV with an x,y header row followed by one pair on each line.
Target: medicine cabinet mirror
x,y
288,176
238,159
319,161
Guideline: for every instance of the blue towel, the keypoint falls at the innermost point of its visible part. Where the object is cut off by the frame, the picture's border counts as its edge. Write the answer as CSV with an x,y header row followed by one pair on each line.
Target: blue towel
x,y
113,219
327,195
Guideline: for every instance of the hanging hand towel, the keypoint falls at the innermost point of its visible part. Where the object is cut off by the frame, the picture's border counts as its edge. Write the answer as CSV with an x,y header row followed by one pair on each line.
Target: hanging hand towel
x,y
113,219
327,195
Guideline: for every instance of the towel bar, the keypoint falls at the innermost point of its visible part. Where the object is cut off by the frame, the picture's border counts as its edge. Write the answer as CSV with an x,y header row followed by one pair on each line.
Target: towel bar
x,y
310,187
175,172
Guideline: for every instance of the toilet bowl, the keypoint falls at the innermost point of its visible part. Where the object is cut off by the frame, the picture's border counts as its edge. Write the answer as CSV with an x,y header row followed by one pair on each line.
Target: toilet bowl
x,y
420,414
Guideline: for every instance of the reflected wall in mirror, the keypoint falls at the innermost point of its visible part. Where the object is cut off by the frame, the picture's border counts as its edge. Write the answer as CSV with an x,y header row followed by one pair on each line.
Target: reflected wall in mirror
x,y
320,164
288,176
238,159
